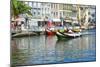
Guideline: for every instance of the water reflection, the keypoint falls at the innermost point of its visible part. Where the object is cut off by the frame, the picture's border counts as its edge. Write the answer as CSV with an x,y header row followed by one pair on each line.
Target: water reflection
x,y
47,49
78,49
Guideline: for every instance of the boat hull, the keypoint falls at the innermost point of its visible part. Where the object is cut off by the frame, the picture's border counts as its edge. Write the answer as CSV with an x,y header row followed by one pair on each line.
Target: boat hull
x,y
49,32
66,35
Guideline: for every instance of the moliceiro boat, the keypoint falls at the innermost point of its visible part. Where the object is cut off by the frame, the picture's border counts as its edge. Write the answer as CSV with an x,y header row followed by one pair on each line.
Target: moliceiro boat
x,y
50,32
69,34
72,34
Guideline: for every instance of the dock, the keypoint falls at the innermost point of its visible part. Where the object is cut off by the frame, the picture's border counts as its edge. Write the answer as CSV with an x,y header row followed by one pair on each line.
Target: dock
x,y
23,34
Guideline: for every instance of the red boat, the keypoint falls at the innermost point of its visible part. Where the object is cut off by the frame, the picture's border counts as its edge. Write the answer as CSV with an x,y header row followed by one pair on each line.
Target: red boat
x,y
49,29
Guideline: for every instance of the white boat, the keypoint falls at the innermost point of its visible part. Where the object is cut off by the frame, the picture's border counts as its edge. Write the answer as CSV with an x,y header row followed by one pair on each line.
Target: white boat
x,y
69,34
72,34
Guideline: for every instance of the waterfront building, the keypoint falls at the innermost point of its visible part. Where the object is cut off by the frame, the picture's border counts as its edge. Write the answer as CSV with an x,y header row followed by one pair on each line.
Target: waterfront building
x,y
61,10
93,14
55,10
36,9
67,10
86,15
45,10
51,10
39,10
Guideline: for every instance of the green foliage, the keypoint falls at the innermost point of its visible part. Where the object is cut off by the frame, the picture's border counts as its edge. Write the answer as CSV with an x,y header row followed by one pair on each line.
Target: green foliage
x,y
18,7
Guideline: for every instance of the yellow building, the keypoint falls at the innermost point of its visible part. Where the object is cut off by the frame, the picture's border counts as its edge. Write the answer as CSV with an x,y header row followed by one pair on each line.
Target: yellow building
x,y
67,10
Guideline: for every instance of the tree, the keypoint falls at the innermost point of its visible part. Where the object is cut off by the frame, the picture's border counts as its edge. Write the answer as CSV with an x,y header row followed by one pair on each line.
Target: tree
x,y
18,7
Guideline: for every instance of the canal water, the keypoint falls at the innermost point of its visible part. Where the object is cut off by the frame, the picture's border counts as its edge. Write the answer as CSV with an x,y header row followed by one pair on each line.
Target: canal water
x,y
49,50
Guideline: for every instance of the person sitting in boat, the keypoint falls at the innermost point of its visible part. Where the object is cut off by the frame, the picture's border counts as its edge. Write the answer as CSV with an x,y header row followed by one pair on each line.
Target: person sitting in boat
x,y
70,31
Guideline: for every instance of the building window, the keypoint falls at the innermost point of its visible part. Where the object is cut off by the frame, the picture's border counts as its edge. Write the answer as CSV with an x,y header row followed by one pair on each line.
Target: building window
x,y
34,13
39,4
38,13
51,5
51,12
30,4
63,12
34,4
48,9
60,14
56,6
56,13
35,8
45,9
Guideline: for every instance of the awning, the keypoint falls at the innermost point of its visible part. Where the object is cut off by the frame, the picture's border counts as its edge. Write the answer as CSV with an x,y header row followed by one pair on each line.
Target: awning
x,y
18,19
37,20
56,20
68,20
